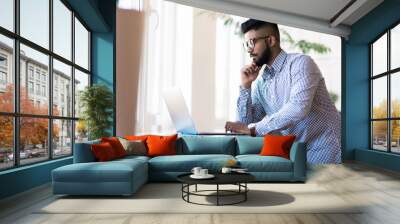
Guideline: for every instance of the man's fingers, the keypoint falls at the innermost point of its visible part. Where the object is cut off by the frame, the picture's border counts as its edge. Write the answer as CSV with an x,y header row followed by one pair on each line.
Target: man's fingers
x,y
230,126
227,126
252,70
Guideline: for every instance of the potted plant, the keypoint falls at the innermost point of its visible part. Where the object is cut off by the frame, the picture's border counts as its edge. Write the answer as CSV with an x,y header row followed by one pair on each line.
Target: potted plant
x,y
96,102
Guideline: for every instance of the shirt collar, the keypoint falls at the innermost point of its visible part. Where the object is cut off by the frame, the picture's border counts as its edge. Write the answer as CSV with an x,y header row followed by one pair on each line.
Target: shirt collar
x,y
276,65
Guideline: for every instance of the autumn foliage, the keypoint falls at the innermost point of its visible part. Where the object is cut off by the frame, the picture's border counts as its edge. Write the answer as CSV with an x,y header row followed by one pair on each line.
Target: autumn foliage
x,y
33,131
380,127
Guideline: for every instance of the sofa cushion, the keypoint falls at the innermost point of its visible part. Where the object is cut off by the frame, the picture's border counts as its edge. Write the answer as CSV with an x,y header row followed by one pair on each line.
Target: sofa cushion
x,y
249,145
185,163
112,171
277,145
83,152
197,145
116,145
131,158
257,163
161,145
137,137
134,147
103,152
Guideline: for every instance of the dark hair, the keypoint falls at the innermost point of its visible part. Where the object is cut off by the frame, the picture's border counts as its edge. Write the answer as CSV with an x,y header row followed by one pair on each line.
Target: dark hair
x,y
254,24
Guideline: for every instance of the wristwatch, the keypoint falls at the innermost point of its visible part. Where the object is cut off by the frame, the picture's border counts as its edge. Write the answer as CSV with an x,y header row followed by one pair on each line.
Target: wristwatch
x,y
252,128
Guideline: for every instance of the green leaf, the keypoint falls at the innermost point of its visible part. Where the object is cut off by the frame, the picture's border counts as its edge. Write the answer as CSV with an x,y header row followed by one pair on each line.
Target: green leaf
x,y
96,102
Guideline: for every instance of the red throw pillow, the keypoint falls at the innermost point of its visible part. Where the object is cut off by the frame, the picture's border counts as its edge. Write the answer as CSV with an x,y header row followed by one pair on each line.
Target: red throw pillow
x,y
103,152
161,145
276,145
116,145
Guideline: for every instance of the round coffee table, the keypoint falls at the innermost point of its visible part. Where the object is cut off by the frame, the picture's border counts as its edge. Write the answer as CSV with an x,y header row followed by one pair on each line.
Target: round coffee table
x,y
238,179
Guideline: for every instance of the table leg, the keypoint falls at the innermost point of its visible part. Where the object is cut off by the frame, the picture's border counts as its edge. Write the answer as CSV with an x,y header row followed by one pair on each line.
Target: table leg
x,y
196,188
245,193
188,190
217,194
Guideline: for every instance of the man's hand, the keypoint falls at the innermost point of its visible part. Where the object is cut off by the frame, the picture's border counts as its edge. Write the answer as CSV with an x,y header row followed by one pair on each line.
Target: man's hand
x,y
237,127
248,74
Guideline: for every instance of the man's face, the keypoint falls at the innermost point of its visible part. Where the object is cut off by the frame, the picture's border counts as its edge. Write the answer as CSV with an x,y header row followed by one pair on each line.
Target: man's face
x,y
261,52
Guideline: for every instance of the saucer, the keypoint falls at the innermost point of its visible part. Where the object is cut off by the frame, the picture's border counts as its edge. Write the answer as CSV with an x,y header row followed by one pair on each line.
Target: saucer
x,y
208,176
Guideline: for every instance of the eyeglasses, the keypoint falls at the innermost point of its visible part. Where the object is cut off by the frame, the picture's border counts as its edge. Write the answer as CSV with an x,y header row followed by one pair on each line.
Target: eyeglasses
x,y
250,44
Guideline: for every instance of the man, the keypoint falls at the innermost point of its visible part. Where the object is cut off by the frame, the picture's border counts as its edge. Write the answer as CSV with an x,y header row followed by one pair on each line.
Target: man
x,y
290,97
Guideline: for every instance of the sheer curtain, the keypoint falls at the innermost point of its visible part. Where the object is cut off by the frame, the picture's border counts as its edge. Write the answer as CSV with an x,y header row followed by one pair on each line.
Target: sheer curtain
x,y
167,62
230,58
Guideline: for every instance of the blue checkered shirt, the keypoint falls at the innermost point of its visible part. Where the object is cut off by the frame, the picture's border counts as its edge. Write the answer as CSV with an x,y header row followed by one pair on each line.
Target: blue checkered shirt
x,y
290,97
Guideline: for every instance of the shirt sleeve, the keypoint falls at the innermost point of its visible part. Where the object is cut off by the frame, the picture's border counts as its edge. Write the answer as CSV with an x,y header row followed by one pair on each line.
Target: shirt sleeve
x,y
305,82
249,110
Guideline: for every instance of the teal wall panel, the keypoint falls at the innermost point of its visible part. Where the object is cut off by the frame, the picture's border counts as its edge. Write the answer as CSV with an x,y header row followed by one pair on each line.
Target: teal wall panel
x,y
380,159
356,85
103,52
24,178
356,99
103,59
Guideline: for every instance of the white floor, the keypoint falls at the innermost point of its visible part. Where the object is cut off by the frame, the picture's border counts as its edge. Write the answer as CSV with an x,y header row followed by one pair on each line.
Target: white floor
x,y
377,189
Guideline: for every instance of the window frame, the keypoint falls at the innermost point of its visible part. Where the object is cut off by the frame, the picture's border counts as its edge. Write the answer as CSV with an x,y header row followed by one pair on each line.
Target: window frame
x,y
16,114
388,74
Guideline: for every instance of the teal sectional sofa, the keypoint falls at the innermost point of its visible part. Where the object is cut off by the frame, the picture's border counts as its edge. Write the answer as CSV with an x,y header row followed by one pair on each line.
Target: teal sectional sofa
x,y
125,176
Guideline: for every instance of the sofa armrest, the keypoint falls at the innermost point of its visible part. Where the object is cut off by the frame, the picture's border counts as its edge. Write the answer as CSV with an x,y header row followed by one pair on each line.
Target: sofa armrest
x,y
298,156
83,152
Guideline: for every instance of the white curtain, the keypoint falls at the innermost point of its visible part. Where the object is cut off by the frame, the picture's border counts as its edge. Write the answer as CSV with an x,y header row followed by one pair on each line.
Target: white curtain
x,y
167,63
230,58
168,59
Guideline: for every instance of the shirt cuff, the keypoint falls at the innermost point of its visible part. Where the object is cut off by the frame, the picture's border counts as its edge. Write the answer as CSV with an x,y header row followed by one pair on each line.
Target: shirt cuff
x,y
244,91
251,125
262,129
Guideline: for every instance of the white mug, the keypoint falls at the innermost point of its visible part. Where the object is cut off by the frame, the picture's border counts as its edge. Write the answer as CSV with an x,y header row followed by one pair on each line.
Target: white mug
x,y
196,170
226,170
203,172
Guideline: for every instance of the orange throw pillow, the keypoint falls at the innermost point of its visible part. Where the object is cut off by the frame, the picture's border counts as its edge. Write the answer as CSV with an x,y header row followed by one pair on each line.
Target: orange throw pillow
x,y
116,145
103,152
161,145
135,138
276,145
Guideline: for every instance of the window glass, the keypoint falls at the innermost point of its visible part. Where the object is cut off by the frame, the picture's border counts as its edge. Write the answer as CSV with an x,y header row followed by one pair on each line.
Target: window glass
x,y
81,45
7,14
62,91
395,136
6,142
81,131
35,21
81,81
34,81
62,138
6,74
395,47
33,140
395,95
62,29
379,97
379,55
379,135
39,62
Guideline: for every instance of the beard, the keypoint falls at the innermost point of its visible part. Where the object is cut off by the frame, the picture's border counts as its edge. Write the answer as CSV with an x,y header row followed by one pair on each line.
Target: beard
x,y
264,58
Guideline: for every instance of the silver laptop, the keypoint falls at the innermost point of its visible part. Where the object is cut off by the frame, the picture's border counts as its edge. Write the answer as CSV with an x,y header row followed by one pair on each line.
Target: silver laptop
x,y
180,114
